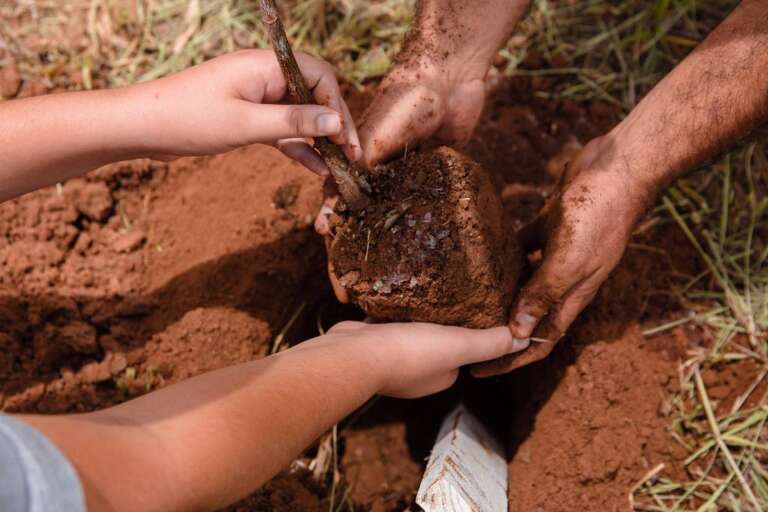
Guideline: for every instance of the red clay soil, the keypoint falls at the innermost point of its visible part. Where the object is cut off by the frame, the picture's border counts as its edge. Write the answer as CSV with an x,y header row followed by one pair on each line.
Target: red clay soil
x,y
433,247
144,274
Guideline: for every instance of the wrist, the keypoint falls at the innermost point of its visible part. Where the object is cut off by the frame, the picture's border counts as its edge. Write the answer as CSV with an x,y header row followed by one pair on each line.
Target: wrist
x,y
362,353
139,121
645,165
115,124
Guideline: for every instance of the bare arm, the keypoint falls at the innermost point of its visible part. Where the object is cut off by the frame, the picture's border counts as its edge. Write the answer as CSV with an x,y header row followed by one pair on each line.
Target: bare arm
x,y
210,440
710,100
217,106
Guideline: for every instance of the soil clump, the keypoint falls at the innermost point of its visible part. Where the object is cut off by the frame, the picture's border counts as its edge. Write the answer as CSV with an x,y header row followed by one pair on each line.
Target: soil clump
x,y
432,247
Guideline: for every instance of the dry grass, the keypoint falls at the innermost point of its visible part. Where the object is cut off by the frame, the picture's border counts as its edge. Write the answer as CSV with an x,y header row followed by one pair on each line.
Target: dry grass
x,y
99,43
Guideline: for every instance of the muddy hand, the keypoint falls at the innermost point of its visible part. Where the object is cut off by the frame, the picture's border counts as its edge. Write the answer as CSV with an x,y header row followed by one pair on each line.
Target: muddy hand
x,y
323,228
438,86
416,101
588,222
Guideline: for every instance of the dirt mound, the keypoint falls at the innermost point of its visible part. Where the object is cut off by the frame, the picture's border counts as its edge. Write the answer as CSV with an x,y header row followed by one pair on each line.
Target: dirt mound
x,y
433,247
113,285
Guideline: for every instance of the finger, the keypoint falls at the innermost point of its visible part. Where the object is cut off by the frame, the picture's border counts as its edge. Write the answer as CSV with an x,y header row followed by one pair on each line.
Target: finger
x,y
341,293
539,296
460,346
269,123
574,303
330,196
327,93
546,338
400,114
547,334
464,115
322,226
352,148
486,344
321,80
299,150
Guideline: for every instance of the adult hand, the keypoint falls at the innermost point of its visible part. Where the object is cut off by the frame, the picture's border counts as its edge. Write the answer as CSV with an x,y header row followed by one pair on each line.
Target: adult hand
x,y
588,224
438,85
235,100
420,98
417,359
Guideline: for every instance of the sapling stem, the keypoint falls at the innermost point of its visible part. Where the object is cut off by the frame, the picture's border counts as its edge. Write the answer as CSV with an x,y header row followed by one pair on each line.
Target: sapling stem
x,y
349,185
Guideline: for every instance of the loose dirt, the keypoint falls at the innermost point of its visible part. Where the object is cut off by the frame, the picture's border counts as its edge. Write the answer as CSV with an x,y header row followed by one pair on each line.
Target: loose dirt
x,y
144,274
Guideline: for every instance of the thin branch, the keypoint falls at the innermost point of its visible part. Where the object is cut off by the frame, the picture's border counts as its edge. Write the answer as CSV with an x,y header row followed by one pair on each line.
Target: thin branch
x,y
349,186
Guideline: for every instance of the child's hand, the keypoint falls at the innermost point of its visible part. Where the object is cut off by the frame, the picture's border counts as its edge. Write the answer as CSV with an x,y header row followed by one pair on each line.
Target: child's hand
x,y
235,100
417,359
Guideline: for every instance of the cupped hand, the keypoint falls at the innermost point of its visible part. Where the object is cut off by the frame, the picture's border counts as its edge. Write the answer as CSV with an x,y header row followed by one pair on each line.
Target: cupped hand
x,y
419,98
238,99
418,359
587,226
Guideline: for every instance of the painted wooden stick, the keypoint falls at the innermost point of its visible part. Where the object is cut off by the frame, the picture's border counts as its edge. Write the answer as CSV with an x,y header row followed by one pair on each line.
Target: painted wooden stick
x,y
349,185
467,470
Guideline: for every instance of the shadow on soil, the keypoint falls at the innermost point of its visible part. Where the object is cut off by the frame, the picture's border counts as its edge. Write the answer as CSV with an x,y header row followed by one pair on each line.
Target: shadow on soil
x,y
259,281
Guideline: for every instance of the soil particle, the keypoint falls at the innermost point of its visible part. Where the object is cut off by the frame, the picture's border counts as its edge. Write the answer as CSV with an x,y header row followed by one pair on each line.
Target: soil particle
x,y
78,335
92,199
128,242
286,195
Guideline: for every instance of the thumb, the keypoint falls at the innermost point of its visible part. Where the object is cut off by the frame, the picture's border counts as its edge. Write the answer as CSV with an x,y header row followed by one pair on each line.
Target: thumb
x,y
542,294
269,123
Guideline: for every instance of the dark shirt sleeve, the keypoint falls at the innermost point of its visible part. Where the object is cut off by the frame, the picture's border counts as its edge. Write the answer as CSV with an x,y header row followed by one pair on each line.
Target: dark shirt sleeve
x,y
34,475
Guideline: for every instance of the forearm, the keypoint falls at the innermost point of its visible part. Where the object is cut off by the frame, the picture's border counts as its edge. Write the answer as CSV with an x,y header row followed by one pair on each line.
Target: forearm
x,y
213,439
469,33
709,101
48,139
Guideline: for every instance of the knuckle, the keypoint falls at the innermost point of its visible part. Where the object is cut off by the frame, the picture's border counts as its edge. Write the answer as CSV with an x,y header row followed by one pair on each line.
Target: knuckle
x,y
539,298
295,120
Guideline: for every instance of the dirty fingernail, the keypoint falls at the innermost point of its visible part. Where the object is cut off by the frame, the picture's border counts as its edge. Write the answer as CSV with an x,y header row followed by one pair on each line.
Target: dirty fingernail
x,y
328,124
525,323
